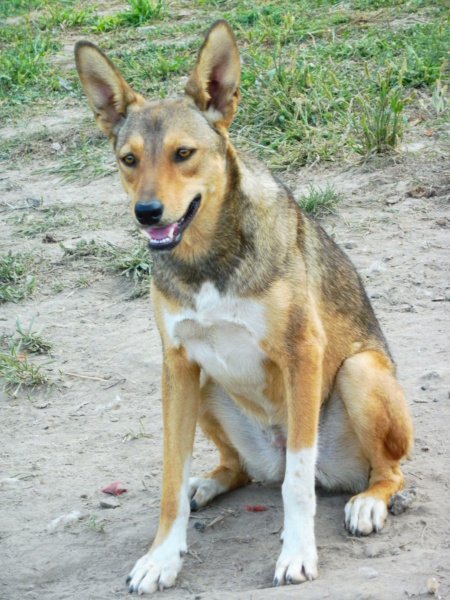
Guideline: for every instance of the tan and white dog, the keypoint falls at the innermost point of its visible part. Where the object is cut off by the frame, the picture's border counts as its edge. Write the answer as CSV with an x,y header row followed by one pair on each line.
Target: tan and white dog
x,y
267,333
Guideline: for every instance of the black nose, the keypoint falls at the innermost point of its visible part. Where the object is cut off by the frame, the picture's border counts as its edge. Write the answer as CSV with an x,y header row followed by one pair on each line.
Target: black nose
x,y
148,213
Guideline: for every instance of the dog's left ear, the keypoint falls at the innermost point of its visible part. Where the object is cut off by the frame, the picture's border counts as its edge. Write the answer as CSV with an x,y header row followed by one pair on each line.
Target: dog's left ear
x,y
108,93
214,82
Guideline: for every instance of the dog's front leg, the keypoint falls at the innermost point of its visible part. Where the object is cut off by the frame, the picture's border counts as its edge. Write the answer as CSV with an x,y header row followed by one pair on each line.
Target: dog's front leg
x,y
180,397
303,382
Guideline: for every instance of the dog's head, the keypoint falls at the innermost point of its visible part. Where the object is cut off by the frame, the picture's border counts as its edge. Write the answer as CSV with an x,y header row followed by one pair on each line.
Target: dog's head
x,y
171,153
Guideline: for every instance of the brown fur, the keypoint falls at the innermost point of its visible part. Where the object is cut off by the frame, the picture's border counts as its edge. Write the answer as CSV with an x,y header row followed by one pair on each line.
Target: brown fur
x,y
250,240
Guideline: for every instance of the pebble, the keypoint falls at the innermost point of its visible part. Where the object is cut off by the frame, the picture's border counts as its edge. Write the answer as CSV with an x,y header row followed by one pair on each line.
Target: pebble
x,y
368,572
56,146
401,501
34,202
350,245
373,550
432,585
199,526
447,295
109,503
392,200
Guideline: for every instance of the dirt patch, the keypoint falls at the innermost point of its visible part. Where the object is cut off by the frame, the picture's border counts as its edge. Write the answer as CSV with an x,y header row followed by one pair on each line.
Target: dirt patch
x,y
101,420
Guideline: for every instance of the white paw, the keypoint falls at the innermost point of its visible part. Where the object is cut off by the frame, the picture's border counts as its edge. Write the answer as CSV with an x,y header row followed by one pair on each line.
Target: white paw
x,y
296,567
156,570
202,490
364,514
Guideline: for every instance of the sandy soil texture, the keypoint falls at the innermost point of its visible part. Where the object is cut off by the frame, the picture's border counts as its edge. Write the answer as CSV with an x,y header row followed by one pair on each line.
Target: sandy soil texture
x,y
100,421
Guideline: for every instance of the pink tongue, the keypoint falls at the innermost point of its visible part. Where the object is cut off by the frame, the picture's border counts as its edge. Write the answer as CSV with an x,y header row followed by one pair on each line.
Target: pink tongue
x,y
159,233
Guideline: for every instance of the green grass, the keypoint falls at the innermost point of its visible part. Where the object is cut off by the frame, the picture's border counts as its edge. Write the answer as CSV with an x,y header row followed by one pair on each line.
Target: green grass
x,y
380,122
12,8
65,18
135,264
25,67
306,93
138,13
16,370
318,201
88,158
32,341
44,220
135,435
16,280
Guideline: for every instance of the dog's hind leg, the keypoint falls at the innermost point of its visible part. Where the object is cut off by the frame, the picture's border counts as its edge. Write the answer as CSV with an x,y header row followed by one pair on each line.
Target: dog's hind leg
x,y
379,415
229,474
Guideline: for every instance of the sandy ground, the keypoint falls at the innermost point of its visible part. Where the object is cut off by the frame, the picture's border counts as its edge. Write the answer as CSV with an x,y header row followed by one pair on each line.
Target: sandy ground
x,y
100,422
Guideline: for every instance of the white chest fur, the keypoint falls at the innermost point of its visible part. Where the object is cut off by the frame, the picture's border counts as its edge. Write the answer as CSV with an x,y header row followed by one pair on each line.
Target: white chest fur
x,y
222,335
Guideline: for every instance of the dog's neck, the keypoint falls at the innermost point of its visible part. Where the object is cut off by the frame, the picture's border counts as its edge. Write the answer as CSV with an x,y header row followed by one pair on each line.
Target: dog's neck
x,y
180,275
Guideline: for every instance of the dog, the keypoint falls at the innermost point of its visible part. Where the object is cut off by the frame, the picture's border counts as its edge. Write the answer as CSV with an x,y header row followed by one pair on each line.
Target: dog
x,y
268,335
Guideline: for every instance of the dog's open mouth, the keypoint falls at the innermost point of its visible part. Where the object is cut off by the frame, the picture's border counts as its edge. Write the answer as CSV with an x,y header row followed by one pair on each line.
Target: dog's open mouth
x,y
168,236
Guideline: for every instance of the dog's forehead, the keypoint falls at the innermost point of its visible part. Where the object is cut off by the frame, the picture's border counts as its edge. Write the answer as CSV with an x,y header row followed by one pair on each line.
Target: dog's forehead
x,y
160,121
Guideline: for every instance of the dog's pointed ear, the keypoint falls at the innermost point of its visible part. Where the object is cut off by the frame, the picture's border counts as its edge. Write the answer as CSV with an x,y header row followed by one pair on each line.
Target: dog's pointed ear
x,y
214,82
107,91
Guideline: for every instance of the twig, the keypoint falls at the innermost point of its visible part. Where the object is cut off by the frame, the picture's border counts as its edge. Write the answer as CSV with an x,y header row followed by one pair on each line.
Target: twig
x,y
422,534
195,555
107,387
219,519
85,376
78,407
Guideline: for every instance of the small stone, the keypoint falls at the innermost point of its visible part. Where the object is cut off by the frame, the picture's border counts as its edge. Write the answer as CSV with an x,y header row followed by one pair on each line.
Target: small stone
x,y
443,222
109,503
34,202
64,83
376,295
390,200
49,239
373,550
368,572
432,585
395,551
199,526
401,501
350,245
447,295
42,406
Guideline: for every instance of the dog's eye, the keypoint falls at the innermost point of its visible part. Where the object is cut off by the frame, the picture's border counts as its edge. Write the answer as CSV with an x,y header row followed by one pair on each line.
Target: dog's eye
x,y
129,160
183,153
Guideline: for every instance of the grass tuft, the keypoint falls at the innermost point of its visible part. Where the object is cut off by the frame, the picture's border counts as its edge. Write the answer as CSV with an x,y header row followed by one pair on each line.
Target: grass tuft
x,y
16,371
133,263
317,201
16,282
32,340
381,120
138,13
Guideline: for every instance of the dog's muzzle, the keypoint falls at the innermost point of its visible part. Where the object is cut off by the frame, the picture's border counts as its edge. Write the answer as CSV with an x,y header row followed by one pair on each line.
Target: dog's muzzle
x,y
167,236
149,213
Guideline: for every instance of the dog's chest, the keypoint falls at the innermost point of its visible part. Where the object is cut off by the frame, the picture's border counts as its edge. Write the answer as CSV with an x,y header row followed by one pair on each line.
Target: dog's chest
x,y
222,335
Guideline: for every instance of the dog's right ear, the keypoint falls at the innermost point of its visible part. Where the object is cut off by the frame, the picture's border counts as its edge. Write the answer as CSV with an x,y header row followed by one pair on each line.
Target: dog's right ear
x,y
214,82
107,91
